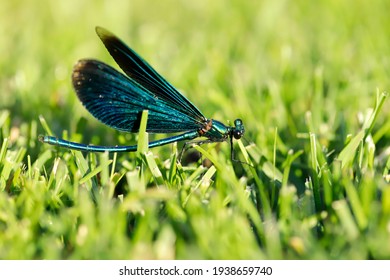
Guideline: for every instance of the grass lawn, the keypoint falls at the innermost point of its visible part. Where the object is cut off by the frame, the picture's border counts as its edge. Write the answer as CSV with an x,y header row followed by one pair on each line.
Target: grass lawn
x,y
308,79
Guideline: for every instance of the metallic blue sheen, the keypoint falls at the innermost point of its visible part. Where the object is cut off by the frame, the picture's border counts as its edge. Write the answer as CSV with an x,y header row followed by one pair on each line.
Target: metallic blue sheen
x,y
118,100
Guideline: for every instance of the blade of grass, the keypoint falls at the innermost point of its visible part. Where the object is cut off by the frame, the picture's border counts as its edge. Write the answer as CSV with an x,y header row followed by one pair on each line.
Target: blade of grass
x,y
348,153
153,167
45,125
314,169
143,136
346,219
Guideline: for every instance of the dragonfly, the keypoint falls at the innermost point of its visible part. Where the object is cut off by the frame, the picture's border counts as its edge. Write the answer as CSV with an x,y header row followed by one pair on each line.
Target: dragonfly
x,y
118,101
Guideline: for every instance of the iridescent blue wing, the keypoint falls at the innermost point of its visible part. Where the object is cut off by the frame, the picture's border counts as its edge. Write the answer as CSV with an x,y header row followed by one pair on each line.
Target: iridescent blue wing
x,y
144,74
118,101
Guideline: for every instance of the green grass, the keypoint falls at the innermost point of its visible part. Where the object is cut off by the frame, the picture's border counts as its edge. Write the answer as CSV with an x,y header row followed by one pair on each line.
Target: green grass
x,y
308,80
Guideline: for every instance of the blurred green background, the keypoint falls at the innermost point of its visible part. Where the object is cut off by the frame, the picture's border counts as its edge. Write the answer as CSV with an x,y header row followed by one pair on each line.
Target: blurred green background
x,y
266,62
233,59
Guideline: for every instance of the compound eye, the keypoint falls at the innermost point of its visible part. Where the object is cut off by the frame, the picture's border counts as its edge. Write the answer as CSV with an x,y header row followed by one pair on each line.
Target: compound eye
x,y
238,122
237,134
239,130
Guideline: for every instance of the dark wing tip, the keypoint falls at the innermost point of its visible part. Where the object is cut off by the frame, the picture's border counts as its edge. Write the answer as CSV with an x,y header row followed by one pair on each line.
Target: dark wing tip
x,y
103,33
82,72
99,29
78,69
80,64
